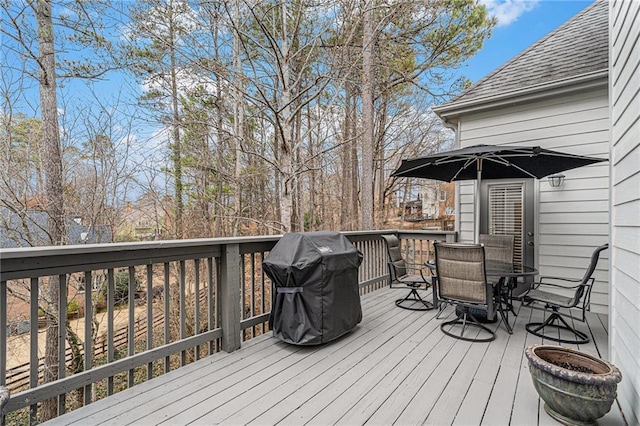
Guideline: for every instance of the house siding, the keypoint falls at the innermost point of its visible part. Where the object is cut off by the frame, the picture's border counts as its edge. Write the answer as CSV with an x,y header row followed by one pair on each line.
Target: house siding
x,y
624,81
571,220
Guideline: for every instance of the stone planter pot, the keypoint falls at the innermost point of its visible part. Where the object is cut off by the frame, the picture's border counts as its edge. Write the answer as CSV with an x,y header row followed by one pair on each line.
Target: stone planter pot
x,y
577,388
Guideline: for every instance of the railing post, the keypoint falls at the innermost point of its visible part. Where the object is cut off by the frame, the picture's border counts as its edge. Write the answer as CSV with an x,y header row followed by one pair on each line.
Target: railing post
x,y
229,287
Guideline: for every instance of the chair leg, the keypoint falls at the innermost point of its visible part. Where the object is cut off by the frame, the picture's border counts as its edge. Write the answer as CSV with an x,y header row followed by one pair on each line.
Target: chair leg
x,y
414,302
537,329
441,307
467,320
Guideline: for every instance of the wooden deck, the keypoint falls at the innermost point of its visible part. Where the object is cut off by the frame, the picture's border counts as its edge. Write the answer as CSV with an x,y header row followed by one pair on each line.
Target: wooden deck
x,y
395,367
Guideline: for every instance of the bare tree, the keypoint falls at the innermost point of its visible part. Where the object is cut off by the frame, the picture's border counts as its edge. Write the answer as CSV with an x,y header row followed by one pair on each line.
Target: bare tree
x,y
53,186
368,47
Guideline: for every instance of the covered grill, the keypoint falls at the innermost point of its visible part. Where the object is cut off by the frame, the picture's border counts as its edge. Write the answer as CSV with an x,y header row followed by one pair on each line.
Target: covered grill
x,y
315,279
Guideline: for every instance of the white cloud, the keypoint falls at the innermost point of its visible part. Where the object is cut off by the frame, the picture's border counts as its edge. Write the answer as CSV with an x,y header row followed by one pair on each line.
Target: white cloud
x,y
508,11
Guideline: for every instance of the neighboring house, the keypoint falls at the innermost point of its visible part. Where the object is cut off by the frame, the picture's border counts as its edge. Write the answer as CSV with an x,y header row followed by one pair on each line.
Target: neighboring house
x,y
554,95
624,276
564,93
147,219
413,210
435,206
438,200
29,230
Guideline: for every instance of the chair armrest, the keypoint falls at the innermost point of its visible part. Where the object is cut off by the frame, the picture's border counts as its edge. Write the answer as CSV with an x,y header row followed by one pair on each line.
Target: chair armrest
x,y
431,266
415,268
561,282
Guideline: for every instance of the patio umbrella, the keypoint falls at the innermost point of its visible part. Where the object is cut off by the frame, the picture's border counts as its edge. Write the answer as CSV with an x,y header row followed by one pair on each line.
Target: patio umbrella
x,y
491,162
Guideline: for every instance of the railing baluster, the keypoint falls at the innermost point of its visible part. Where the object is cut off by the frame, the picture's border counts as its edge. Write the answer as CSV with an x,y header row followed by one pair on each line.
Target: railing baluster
x,y
211,302
88,337
243,289
149,317
263,296
34,359
196,314
131,338
167,300
3,333
253,292
62,337
183,323
110,326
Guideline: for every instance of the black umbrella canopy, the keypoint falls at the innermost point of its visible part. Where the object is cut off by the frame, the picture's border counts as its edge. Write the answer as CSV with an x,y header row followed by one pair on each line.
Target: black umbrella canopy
x,y
494,162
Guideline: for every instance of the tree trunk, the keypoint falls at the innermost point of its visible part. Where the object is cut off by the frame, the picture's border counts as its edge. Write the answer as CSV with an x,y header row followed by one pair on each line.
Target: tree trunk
x,y
347,181
299,199
355,168
177,149
287,152
53,185
380,163
312,178
366,195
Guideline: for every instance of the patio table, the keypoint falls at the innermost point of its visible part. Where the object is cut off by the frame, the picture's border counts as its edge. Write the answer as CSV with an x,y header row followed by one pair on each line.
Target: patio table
x,y
507,275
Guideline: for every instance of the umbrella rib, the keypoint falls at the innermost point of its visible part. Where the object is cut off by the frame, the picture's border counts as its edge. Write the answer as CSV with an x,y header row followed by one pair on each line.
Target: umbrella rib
x,y
510,164
466,164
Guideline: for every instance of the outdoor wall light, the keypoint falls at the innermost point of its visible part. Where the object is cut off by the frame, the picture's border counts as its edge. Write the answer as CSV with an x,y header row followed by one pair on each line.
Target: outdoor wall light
x,y
556,180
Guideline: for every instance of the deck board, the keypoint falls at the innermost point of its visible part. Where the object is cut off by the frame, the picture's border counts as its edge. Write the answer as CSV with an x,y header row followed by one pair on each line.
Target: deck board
x,y
395,367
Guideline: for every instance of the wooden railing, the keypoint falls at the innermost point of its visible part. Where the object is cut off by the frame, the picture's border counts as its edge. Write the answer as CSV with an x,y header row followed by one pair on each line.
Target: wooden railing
x,y
168,327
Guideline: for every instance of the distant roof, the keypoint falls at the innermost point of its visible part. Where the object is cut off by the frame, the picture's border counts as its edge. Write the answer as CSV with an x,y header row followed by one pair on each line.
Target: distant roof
x,y
577,50
14,230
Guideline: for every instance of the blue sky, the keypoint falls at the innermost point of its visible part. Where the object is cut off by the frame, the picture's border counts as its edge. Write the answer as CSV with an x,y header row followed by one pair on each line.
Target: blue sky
x,y
520,24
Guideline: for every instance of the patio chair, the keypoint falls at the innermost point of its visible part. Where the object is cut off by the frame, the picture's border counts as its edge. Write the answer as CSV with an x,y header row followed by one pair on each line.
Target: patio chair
x,y
462,282
498,247
557,293
406,275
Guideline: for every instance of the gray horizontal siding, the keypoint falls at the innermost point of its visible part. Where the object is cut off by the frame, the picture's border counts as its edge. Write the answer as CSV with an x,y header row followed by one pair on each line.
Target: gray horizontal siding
x,y
625,200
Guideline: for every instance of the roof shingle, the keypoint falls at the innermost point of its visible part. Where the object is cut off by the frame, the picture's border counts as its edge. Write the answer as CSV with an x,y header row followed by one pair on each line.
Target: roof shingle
x,y
577,47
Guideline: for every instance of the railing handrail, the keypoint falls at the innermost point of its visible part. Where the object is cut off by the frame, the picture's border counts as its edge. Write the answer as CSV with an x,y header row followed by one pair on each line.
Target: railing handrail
x,y
29,262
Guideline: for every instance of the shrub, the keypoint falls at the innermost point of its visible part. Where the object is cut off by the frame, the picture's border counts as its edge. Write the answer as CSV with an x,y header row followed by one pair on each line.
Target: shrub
x,y
121,281
72,307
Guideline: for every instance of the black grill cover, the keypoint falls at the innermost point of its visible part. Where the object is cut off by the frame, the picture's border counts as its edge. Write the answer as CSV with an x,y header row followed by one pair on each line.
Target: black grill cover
x,y
315,278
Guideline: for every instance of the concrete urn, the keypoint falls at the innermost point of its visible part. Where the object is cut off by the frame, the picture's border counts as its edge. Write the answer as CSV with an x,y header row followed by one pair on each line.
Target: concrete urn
x,y
577,388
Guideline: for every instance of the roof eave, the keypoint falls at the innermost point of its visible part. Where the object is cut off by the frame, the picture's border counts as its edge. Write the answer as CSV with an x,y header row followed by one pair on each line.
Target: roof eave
x,y
589,81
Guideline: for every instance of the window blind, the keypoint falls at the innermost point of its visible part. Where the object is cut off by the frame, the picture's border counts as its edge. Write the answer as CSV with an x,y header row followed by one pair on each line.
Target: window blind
x,y
506,214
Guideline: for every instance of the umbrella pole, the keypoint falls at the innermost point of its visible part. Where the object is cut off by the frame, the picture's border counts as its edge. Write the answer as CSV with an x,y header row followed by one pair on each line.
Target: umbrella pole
x,y
476,222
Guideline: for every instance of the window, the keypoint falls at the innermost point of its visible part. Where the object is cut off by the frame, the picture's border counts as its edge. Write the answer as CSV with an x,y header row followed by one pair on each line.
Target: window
x,y
442,195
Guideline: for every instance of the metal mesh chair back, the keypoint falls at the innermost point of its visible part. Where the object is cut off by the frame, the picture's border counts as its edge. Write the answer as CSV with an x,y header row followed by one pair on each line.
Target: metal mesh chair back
x,y
394,250
586,279
498,247
461,272
462,281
